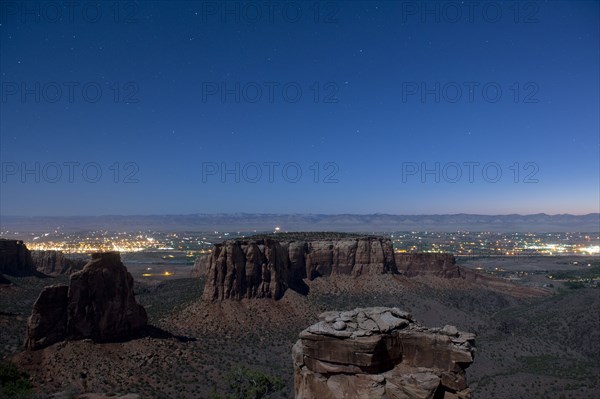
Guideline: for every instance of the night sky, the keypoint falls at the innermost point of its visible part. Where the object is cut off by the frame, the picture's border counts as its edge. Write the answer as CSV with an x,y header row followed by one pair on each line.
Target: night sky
x,y
498,104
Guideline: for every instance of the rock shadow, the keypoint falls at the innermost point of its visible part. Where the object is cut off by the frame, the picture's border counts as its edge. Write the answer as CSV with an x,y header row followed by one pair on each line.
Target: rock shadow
x,y
158,333
300,287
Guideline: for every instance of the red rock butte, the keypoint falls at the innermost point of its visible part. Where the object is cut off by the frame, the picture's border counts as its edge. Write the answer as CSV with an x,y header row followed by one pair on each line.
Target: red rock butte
x,y
260,267
98,303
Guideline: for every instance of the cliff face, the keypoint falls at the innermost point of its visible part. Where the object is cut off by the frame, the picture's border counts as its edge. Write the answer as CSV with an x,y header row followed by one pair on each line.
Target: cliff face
x,y
247,269
99,303
265,268
55,262
15,258
200,266
433,264
379,353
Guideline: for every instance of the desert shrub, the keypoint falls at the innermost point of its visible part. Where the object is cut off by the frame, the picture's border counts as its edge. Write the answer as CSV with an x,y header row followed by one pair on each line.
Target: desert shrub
x,y
245,383
574,285
14,383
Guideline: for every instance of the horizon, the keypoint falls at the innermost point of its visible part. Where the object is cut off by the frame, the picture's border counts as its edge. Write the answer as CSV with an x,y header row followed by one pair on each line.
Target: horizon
x,y
307,214
249,222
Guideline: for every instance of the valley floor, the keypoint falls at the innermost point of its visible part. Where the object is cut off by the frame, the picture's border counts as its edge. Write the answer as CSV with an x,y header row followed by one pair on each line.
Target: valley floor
x,y
530,344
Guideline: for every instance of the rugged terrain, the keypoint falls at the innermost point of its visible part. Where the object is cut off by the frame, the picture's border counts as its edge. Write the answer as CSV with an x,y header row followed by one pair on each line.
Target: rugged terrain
x,y
17,260
531,342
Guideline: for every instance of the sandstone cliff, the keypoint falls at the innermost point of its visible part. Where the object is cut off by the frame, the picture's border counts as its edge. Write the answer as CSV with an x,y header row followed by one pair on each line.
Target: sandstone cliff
x,y
99,304
265,268
55,262
432,264
379,353
201,265
15,258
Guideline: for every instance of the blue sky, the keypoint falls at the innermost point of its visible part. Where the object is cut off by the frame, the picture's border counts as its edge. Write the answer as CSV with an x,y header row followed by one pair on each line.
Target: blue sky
x,y
321,107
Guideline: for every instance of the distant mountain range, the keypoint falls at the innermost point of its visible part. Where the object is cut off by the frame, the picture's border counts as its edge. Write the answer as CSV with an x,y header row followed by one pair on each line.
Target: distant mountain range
x,y
247,222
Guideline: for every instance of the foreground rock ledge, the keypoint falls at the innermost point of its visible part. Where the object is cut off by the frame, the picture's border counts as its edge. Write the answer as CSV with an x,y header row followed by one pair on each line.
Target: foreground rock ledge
x,y
379,353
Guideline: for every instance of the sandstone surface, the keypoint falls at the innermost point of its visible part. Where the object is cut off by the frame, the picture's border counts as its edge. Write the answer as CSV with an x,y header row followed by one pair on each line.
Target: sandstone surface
x,y
266,268
379,353
99,304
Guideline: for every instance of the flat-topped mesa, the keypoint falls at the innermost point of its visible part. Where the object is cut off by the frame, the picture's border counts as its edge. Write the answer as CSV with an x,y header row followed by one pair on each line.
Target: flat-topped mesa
x,y
17,260
55,262
380,353
99,303
266,267
428,264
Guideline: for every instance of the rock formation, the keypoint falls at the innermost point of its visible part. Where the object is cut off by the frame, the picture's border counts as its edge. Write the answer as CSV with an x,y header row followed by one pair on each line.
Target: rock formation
x,y
99,304
432,264
257,268
15,258
55,262
48,321
379,353
201,265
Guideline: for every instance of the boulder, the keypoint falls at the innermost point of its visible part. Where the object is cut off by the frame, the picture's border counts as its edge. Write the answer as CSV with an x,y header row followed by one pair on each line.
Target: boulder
x,y
379,353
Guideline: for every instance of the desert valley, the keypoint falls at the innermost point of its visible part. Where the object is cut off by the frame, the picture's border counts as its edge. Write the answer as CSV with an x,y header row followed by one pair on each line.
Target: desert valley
x,y
243,307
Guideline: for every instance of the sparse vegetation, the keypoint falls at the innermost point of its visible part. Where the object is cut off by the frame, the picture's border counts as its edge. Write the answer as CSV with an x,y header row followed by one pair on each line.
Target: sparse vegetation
x,y
246,383
527,347
14,383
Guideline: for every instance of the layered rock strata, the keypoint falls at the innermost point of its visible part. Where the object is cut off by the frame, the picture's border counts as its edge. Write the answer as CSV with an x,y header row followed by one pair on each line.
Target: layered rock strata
x,y
428,264
99,303
379,353
55,263
260,268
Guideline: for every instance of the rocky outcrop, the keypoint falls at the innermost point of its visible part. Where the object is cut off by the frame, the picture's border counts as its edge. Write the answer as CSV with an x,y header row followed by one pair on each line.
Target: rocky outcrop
x,y
246,269
379,353
15,258
55,263
69,395
265,268
201,265
432,264
48,321
99,303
